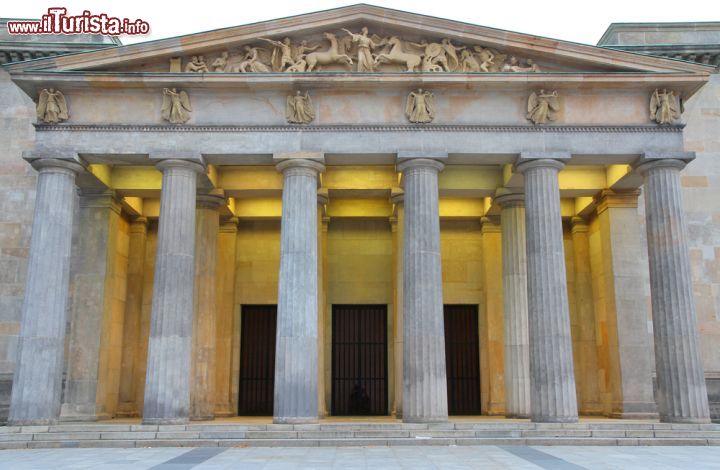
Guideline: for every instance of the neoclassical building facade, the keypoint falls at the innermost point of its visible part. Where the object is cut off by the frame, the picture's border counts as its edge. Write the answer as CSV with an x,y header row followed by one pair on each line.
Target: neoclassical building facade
x,y
362,211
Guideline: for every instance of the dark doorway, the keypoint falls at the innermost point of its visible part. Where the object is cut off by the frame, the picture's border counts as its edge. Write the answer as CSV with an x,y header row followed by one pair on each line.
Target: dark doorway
x,y
257,360
462,359
359,360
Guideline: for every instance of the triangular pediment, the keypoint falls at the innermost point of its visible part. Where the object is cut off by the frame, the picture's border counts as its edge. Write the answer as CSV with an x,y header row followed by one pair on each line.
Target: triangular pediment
x,y
398,42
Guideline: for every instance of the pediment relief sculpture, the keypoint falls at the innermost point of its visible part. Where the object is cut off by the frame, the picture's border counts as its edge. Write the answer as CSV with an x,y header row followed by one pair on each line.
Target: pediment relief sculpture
x,y
543,107
362,52
52,107
665,106
175,106
299,108
420,106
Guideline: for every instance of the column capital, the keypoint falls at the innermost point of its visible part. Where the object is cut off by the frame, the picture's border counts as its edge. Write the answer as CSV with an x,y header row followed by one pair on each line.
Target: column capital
x,y
57,165
608,198
397,196
508,198
579,225
211,200
420,163
163,165
323,196
139,225
229,225
524,165
300,166
643,166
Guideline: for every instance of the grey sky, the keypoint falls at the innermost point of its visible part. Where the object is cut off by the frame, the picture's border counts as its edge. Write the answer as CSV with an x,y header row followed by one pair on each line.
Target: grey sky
x,y
572,20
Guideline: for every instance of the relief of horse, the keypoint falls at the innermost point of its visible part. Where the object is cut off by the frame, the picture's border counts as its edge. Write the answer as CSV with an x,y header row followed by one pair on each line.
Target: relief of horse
x,y
331,56
397,56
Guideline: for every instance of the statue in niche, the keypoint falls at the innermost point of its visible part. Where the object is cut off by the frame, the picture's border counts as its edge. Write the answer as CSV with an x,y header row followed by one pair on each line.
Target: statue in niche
x,y
52,107
468,62
331,56
282,54
365,44
175,106
543,107
451,53
398,56
420,106
251,62
665,107
196,64
220,64
299,108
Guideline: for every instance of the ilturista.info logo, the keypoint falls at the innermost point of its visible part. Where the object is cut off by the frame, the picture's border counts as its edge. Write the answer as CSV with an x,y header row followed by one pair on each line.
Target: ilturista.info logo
x,y
57,21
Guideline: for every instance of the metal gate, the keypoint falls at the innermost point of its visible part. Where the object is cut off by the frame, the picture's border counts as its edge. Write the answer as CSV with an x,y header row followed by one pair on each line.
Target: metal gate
x,y
359,360
462,359
257,360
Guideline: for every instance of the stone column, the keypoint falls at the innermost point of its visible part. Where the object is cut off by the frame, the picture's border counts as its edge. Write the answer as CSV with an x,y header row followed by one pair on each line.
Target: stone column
x,y
167,384
35,396
133,313
552,379
226,261
514,268
322,226
424,373
202,386
682,396
587,366
92,286
296,355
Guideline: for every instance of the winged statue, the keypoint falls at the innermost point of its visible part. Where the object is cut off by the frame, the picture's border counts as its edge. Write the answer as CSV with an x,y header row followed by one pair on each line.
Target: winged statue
x,y
299,108
52,107
420,106
665,107
543,107
175,106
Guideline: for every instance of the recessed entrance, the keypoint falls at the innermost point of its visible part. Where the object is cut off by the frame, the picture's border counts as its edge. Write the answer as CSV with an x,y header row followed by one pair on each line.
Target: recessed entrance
x,y
359,360
257,360
462,359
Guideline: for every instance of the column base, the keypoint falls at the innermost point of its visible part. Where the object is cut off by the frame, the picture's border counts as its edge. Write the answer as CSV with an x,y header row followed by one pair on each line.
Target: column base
x,y
78,413
295,420
202,418
516,416
32,422
554,419
683,420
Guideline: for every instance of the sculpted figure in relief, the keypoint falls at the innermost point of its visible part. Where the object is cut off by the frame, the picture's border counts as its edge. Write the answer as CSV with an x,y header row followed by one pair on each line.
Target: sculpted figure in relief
x,y
251,62
365,61
175,106
52,107
302,50
542,107
434,59
398,56
220,64
468,62
331,56
451,53
300,64
197,64
282,55
420,106
299,108
664,108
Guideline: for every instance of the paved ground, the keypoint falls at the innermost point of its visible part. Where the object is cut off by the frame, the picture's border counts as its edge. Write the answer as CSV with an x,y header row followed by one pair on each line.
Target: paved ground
x,y
374,458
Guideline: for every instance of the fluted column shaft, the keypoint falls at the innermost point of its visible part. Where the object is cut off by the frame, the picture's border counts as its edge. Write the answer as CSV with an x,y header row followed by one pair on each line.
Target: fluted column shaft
x,y
514,261
38,375
424,372
552,379
682,395
202,388
296,355
167,384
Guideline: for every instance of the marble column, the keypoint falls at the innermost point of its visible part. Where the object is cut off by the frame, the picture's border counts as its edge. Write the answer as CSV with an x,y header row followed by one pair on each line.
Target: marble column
x,y
133,313
167,383
424,373
296,355
682,395
552,379
202,386
514,268
322,226
35,398
397,222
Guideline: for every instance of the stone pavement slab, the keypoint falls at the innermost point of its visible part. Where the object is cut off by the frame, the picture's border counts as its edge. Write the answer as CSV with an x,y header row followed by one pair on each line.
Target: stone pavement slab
x,y
375,458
